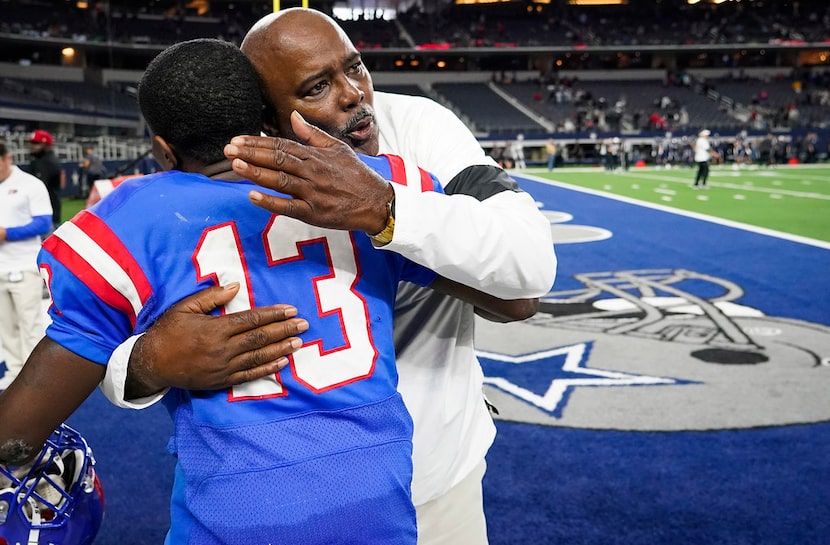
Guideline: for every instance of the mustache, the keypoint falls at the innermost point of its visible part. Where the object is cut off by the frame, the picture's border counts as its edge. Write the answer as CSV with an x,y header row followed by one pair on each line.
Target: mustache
x,y
350,125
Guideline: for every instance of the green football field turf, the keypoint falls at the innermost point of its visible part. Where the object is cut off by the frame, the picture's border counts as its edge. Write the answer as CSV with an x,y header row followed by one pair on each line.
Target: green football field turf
x,y
71,207
792,199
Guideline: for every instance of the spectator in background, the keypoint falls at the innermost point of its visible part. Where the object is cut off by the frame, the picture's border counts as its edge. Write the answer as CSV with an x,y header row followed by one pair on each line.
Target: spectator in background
x,y
499,154
811,148
683,118
626,154
550,148
780,151
25,215
765,151
45,165
613,155
793,116
92,168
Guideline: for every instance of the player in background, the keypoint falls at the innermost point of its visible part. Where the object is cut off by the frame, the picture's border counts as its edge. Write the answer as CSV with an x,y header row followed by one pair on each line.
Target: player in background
x,y
318,453
703,154
485,232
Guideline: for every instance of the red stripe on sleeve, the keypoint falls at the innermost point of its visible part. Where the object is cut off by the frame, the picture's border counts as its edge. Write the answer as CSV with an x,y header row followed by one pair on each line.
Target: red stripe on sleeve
x,y
91,278
426,180
397,168
98,231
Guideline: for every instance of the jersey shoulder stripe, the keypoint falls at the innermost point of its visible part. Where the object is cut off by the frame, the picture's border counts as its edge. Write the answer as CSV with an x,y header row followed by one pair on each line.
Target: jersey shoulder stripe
x,y
116,276
65,254
407,173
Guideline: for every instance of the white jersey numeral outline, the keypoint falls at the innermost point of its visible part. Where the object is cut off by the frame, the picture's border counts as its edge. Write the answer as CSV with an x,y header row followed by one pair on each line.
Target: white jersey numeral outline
x,y
219,255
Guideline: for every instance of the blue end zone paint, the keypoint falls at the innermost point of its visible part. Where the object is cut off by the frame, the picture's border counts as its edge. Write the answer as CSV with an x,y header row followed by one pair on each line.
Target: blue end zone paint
x,y
547,485
781,277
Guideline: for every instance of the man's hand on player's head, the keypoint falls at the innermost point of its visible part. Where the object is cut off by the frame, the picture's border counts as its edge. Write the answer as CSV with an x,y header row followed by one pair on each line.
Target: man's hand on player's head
x,y
189,349
329,185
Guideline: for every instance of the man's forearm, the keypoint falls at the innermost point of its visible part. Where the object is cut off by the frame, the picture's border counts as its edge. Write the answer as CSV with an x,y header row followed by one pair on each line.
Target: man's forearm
x,y
501,245
120,385
139,381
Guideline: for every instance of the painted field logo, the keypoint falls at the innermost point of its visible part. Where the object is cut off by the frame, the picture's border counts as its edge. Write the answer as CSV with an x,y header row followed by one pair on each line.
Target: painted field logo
x,y
656,350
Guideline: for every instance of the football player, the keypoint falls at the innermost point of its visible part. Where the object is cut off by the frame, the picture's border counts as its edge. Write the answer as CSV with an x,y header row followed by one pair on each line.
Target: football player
x,y
317,453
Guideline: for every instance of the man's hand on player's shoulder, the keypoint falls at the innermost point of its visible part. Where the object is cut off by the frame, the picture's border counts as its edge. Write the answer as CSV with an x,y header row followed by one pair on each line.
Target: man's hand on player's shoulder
x,y
188,349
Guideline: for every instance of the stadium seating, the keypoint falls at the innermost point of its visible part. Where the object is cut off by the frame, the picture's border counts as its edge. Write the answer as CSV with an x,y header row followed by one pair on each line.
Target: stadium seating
x,y
72,96
414,90
486,110
515,39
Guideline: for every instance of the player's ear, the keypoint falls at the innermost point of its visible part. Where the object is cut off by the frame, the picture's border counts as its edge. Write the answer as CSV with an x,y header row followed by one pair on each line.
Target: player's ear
x,y
268,129
269,122
164,153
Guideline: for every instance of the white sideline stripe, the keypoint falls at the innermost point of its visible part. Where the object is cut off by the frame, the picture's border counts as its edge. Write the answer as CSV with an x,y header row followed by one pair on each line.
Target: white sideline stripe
x,y
704,217
104,264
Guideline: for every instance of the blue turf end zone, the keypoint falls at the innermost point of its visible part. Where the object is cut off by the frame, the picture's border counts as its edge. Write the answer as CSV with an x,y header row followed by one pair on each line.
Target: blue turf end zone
x,y
549,484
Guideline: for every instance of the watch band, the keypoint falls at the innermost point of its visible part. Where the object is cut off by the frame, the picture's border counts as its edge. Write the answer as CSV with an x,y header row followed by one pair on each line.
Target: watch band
x,y
385,236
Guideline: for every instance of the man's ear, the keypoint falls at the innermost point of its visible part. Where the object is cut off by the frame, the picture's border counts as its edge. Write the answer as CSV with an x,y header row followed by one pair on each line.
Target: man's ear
x,y
164,154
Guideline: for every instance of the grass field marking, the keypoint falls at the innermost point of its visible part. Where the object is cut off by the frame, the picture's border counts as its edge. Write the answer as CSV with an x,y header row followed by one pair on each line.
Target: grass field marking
x,y
713,168
780,174
737,225
775,190
741,186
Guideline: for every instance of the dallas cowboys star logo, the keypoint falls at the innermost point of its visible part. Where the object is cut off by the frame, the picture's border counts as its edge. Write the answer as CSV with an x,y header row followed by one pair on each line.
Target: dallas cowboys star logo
x,y
565,368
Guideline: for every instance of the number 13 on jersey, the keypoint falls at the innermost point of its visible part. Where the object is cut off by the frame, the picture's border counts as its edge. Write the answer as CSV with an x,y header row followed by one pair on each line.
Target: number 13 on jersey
x,y
219,255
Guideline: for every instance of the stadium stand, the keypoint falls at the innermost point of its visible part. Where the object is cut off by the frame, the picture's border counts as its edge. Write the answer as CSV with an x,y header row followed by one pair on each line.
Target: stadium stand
x,y
414,90
541,70
72,96
485,109
613,105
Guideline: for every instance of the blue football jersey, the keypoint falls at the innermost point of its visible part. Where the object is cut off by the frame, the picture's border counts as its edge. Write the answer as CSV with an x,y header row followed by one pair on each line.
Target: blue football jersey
x,y
319,453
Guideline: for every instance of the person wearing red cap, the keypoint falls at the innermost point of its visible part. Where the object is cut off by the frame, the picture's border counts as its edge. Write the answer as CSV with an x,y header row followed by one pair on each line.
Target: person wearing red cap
x,y
42,137
45,165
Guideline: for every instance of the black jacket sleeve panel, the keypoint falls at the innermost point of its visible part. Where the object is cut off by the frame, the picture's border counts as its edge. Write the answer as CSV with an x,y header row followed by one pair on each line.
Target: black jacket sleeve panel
x,y
481,182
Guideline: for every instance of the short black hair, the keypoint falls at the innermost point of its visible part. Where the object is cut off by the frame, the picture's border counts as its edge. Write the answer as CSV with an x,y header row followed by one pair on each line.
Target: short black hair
x,y
3,149
199,94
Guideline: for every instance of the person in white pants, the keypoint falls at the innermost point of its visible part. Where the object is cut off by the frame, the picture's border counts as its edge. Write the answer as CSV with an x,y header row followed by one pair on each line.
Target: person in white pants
x,y
25,215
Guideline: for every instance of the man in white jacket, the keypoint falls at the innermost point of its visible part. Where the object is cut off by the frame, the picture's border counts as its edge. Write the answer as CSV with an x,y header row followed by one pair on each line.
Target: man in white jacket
x,y
484,232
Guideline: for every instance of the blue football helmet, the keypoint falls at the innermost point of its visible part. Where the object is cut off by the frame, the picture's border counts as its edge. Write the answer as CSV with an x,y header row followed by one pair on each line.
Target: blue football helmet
x,y
57,499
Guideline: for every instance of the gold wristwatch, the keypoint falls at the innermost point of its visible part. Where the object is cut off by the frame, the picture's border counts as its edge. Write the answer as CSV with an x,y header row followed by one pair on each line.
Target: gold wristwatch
x,y
385,236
